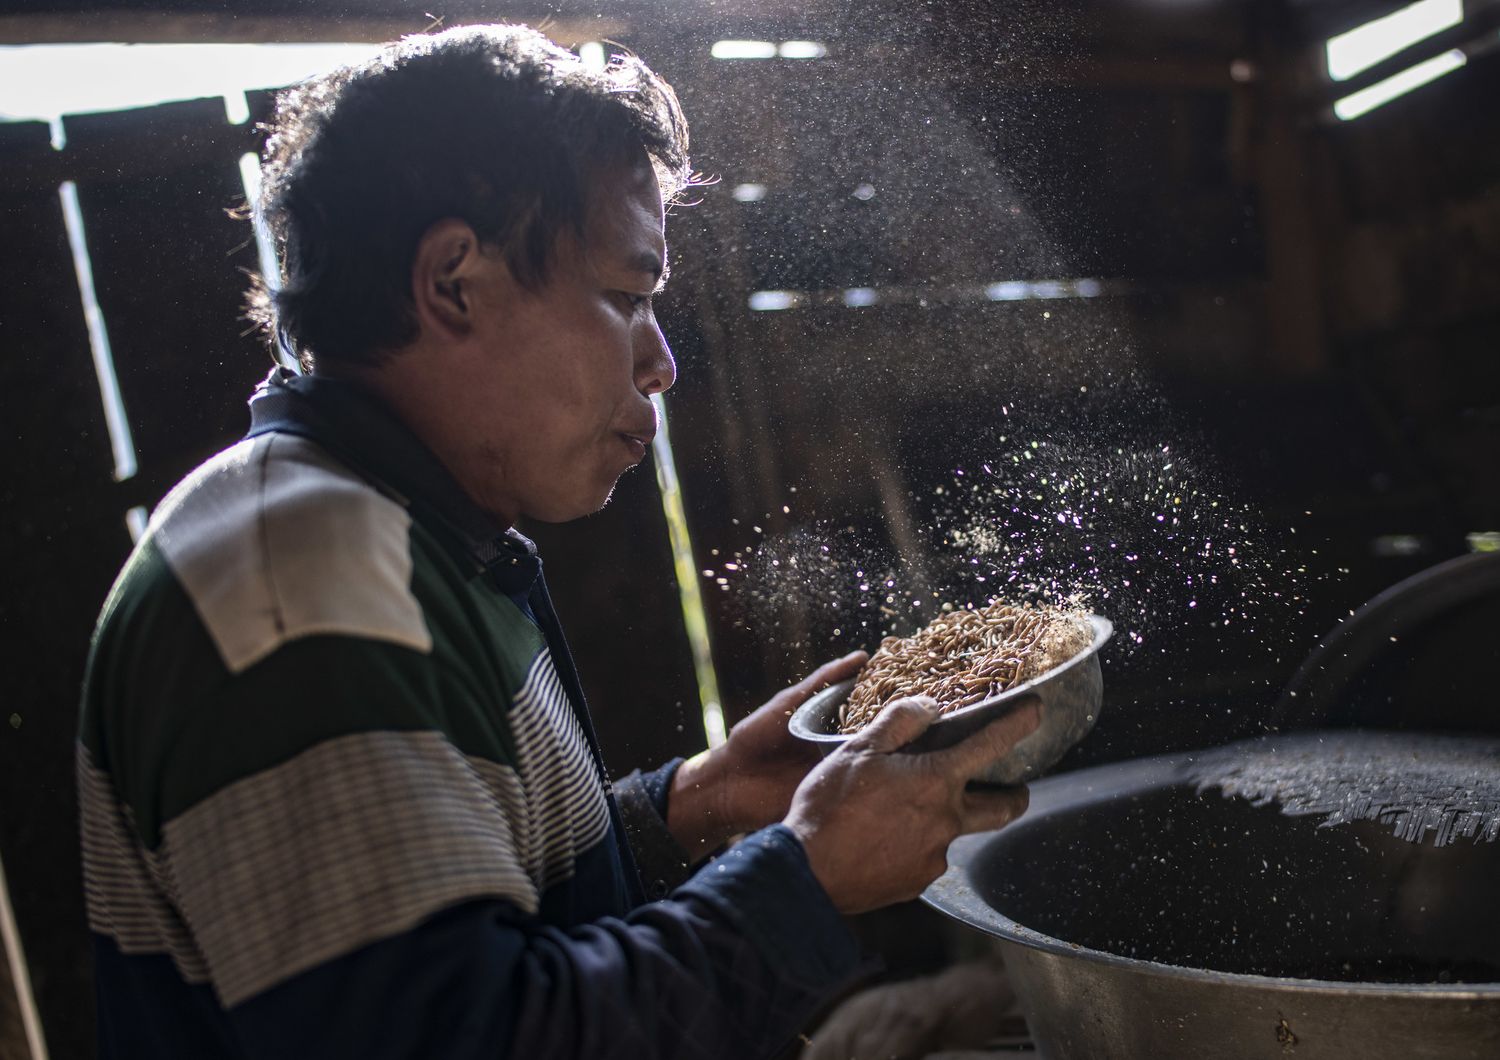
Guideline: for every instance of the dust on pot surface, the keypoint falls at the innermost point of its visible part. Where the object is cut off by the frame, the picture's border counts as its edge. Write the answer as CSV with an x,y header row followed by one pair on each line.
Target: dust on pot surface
x,y
1070,694
1142,916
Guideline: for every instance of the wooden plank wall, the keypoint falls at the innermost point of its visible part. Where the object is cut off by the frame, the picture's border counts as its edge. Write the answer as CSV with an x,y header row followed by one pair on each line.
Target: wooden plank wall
x,y
166,266
63,538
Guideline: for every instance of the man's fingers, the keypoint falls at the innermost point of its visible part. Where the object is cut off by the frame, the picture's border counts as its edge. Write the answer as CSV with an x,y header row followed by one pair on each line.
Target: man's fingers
x,y
985,811
899,723
992,742
833,672
825,675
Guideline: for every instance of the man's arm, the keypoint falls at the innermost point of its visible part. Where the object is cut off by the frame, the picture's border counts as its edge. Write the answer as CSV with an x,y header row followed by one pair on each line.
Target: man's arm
x,y
349,875
730,966
358,883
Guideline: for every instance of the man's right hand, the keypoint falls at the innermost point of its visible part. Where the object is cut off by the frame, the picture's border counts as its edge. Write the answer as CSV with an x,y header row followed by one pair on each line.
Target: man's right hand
x,y
876,823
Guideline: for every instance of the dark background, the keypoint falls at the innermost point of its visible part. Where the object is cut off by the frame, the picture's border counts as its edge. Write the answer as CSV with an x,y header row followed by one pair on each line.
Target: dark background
x,y
1305,309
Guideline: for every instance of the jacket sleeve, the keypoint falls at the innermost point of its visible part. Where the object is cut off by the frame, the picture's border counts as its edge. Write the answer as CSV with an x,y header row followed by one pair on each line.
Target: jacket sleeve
x,y
730,965
642,798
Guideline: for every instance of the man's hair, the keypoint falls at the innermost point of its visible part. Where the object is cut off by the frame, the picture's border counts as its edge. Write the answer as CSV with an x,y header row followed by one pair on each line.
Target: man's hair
x,y
494,125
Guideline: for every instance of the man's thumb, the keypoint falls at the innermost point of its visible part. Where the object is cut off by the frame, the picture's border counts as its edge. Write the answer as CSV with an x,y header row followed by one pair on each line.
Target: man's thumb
x,y
899,723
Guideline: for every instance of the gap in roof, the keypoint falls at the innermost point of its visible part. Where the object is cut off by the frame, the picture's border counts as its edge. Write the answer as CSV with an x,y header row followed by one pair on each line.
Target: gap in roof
x,y
43,82
1397,85
765,49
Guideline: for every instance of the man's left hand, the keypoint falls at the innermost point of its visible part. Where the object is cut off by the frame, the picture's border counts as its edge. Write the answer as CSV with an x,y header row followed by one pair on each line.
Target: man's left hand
x,y
747,782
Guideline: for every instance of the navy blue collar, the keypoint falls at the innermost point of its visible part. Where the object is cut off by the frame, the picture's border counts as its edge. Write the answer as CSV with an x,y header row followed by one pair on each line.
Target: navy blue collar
x,y
359,429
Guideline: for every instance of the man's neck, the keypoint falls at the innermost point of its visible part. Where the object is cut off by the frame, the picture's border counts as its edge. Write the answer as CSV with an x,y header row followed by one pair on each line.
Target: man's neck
x,y
397,381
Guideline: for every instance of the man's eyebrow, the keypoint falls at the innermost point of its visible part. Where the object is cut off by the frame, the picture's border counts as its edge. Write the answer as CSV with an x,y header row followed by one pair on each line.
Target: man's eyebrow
x,y
647,261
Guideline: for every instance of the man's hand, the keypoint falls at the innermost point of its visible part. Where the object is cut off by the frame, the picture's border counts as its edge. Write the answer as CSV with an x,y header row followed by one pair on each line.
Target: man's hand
x,y
876,823
748,781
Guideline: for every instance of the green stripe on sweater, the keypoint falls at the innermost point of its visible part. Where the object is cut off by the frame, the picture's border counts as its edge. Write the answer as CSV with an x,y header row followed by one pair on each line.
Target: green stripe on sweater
x,y
165,718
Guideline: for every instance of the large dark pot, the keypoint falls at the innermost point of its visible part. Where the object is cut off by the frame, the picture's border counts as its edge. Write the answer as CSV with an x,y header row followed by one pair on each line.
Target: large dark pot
x,y
1141,917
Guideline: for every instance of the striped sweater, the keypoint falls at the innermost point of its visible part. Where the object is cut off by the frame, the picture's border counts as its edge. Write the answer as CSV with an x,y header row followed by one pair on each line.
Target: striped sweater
x,y
341,796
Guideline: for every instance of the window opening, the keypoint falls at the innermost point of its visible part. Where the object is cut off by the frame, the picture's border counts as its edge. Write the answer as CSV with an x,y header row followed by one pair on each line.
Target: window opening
x,y
592,54
135,521
268,261
44,81
1003,291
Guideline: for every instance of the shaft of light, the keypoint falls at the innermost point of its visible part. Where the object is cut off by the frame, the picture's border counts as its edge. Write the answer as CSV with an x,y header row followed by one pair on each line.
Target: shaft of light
x,y
694,616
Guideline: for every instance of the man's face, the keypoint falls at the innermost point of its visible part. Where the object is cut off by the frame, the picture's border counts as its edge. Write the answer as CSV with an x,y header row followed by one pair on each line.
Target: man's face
x,y
557,403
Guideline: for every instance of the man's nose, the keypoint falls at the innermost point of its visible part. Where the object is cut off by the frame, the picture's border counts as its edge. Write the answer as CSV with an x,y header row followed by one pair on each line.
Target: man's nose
x,y
655,370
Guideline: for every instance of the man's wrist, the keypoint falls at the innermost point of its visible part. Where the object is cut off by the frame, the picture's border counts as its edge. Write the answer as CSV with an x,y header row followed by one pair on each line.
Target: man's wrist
x,y
697,808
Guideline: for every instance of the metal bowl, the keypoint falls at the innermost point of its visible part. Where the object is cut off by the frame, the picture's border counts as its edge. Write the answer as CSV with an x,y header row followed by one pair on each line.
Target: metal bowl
x,y
1070,697
1142,915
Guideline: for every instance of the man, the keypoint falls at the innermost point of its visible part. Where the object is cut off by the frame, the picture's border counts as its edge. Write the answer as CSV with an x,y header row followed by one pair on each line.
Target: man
x,y
341,795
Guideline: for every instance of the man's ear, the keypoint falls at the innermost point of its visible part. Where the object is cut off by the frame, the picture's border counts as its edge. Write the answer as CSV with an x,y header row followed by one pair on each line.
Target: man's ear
x,y
445,270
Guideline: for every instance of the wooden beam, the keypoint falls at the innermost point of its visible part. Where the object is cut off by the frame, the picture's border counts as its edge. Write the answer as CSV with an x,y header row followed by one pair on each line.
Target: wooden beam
x,y
1168,72
150,27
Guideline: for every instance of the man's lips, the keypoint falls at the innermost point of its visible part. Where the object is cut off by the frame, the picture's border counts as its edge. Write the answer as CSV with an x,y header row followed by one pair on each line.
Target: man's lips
x,y
639,441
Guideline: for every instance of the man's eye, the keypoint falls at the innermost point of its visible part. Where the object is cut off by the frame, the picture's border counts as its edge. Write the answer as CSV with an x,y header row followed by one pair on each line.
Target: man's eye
x,y
635,301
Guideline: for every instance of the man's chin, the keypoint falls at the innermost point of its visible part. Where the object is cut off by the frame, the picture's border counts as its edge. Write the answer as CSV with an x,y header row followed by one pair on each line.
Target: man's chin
x,y
566,512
